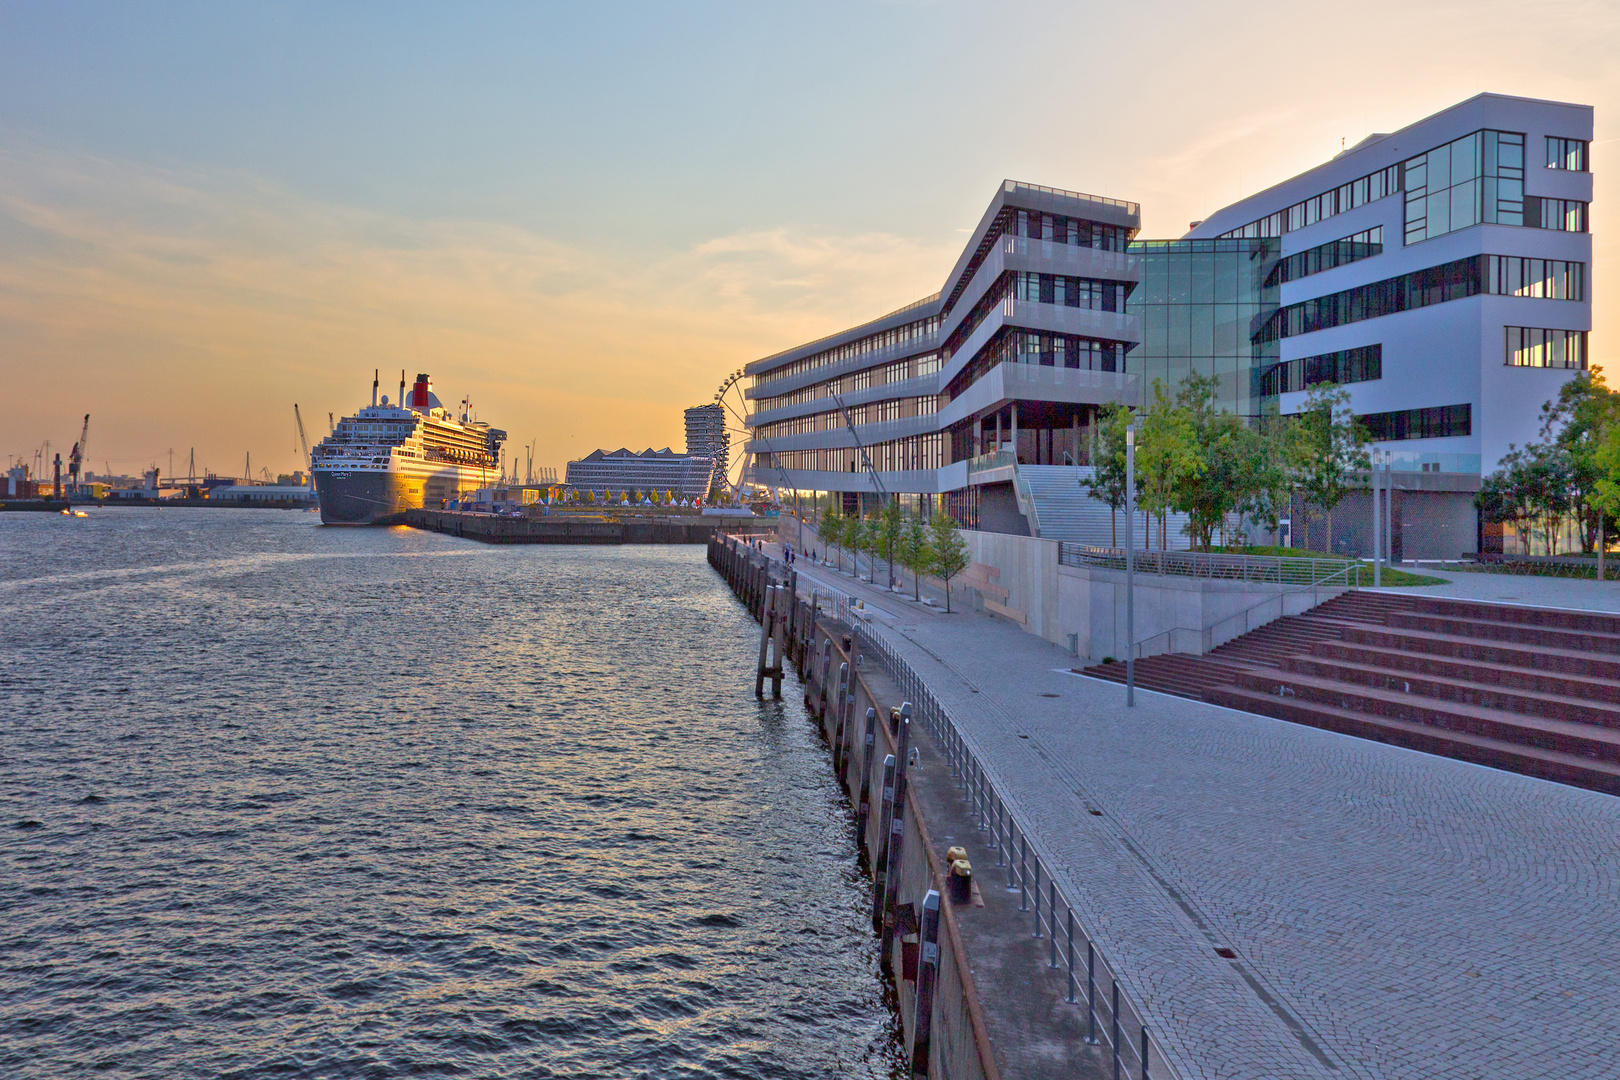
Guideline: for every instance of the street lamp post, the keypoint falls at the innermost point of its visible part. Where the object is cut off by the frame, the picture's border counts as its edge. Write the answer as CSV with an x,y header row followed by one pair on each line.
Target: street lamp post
x,y
1378,524
1130,566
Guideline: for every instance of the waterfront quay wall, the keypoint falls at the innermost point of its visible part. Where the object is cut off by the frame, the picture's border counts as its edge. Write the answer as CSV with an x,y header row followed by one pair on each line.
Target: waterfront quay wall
x,y
1083,608
950,1042
559,530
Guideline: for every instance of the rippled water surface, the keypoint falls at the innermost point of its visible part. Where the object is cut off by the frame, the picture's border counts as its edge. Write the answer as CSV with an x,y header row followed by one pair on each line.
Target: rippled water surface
x,y
283,800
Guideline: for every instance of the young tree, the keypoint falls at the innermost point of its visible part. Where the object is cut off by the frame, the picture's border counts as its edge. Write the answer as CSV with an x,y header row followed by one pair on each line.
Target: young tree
x,y
1107,483
1224,447
1329,450
915,554
1167,460
1606,488
1577,421
948,552
831,531
1531,485
889,526
1264,454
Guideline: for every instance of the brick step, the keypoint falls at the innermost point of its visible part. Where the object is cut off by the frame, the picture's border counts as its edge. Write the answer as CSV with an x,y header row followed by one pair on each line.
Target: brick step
x,y
1538,679
1489,694
1586,740
1593,622
1181,674
1518,632
1529,760
1363,605
1563,661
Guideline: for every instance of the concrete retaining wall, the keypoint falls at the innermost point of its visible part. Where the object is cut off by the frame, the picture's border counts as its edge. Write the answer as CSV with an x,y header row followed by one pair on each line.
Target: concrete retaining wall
x,y
1085,606
559,530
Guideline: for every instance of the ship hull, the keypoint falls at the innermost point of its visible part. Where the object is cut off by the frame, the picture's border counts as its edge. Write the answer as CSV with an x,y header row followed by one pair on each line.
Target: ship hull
x,y
367,496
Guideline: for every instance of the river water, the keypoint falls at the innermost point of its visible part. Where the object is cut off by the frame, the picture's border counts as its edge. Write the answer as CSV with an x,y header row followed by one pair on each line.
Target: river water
x,y
281,800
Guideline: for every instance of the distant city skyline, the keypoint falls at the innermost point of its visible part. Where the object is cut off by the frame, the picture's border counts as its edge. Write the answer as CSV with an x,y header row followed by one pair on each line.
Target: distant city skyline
x,y
586,218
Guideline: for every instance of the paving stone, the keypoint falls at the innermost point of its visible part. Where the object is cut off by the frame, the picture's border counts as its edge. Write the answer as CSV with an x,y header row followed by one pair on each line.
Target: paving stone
x,y
1406,915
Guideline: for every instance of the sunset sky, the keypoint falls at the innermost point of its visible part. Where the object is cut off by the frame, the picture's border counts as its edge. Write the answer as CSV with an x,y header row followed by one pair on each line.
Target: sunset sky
x,y
586,215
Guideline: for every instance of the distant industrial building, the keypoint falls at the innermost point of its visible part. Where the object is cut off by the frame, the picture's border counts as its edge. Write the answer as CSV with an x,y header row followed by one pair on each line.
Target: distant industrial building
x,y
604,471
706,436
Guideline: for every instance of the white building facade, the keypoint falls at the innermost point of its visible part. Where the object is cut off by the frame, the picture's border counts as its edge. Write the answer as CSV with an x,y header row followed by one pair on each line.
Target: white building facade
x,y
1442,274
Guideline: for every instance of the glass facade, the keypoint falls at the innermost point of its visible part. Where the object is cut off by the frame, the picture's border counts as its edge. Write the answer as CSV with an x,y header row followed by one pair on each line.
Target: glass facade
x,y
1566,154
1362,245
1345,366
1197,302
1477,178
1529,346
1438,422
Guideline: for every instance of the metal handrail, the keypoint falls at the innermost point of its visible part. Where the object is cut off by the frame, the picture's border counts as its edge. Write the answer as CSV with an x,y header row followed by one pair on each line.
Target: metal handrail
x,y
1114,1022
1282,569
1206,635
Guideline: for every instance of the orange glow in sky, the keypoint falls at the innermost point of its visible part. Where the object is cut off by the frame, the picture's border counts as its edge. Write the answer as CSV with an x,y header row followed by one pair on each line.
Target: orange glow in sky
x,y
586,219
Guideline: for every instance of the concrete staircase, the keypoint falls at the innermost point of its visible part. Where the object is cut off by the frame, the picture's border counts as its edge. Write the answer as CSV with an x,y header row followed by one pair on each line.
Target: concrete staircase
x,y
1066,512
1530,690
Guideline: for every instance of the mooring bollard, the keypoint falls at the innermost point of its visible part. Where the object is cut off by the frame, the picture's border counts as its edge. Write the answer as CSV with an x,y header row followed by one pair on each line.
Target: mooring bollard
x,y
927,979
880,861
863,808
897,832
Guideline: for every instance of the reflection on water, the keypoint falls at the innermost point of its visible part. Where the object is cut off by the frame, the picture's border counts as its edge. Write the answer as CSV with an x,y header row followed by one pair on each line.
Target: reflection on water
x,y
296,801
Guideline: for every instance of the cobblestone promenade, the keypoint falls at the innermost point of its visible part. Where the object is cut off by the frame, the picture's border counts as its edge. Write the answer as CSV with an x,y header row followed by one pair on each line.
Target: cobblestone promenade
x,y
1394,915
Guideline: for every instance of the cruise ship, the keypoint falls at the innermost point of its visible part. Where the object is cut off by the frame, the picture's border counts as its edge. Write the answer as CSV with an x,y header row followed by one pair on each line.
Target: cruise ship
x,y
389,458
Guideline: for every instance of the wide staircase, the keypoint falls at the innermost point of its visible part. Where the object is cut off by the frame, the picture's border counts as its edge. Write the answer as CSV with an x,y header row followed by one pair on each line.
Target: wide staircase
x,y
1530,690
1065,512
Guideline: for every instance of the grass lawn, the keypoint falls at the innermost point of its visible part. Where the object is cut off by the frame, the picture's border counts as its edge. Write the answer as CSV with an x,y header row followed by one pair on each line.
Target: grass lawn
x,y
1361,578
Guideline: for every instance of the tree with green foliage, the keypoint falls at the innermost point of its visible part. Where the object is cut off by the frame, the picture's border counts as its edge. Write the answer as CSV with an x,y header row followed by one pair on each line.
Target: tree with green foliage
x,y
1606,488
890,524
915,554
1167,460
1224,446
1329,450
948,552
831,532
1264,464
1532,485
1577,421
1107,483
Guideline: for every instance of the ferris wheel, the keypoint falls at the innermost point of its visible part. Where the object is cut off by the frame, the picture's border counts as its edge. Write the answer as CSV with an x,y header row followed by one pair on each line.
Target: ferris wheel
x,y
735,408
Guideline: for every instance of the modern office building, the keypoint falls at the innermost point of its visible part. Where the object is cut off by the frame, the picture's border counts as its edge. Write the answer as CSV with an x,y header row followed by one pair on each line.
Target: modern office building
x,y
1441,273
602,472
707,436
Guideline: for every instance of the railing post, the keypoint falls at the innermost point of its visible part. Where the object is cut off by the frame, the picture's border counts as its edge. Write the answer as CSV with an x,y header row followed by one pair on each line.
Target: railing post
x,y
1144,1075
1070,955
1091,993
1113,1027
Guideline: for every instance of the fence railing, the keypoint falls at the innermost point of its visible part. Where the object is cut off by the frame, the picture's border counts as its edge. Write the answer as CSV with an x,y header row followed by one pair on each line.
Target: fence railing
x,y
995,459
1113,1022
1274,569
1204,637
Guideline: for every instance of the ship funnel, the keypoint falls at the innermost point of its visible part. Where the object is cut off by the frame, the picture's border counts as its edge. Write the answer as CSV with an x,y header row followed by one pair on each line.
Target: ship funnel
x,y
376,375
421,392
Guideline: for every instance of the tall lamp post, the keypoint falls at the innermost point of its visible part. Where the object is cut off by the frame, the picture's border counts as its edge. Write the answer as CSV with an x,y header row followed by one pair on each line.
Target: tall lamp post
x,y
1130,566
1378,525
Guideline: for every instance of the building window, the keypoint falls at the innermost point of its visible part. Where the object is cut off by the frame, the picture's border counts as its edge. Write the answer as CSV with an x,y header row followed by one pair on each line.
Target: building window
x,y
1566,153
1561,215
1362,245
1543,279
1477,178
1529,346
1439,422
1421,288
1369,188
1346,366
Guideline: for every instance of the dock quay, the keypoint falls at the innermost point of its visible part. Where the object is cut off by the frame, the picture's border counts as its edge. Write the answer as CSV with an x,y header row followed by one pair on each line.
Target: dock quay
x,y
492,529
999,980
1274,899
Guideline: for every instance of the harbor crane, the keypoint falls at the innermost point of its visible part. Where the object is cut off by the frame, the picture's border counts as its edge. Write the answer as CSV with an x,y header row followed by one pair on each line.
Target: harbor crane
x,y
77,455
303,440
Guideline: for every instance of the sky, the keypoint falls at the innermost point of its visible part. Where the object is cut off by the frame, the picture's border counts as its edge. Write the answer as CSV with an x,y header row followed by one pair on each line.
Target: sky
x,y
584,216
